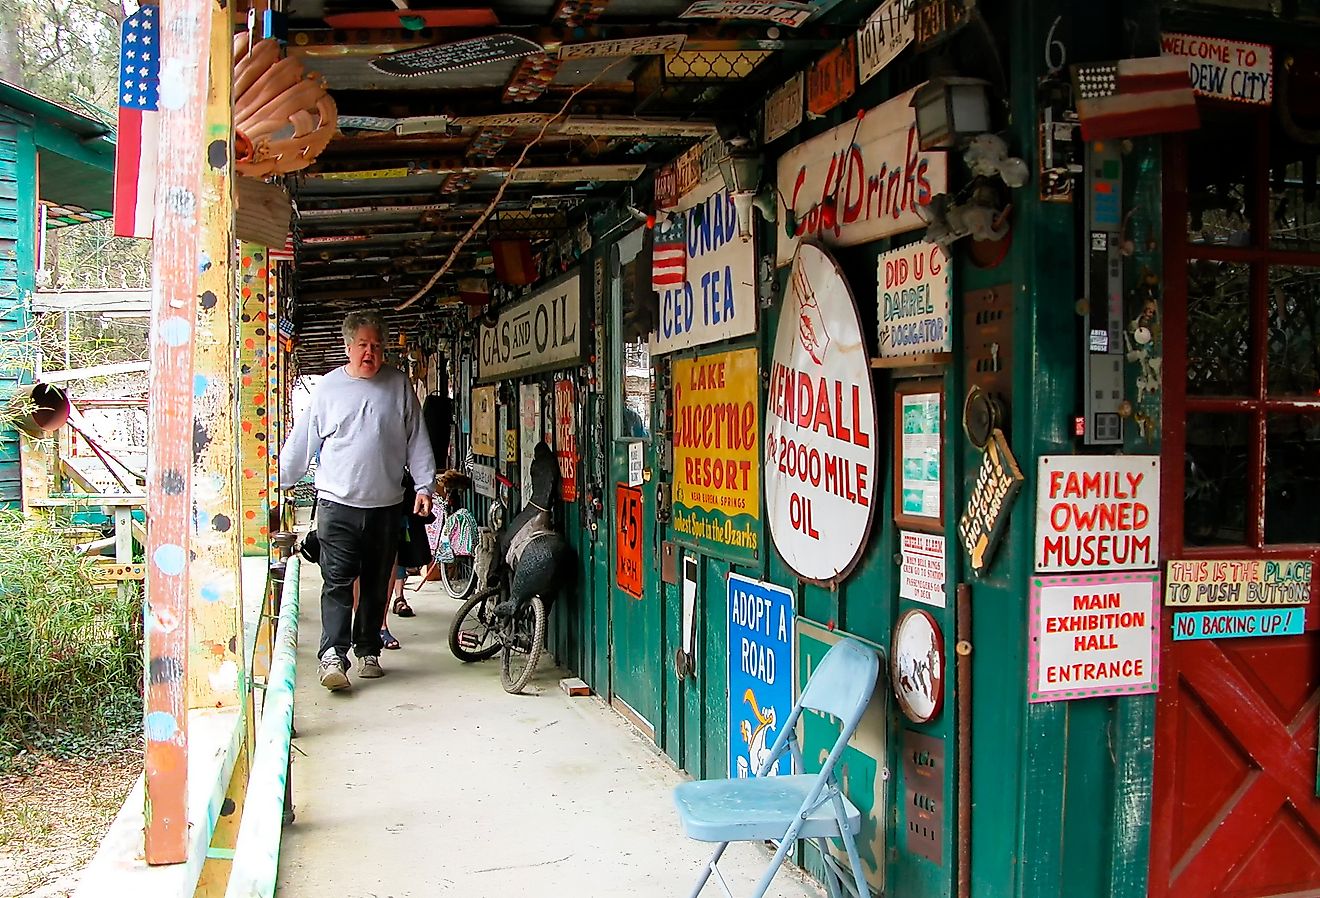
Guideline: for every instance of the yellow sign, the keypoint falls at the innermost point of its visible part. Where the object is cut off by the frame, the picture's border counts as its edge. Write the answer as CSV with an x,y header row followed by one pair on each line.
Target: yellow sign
x,y
483,421
717,441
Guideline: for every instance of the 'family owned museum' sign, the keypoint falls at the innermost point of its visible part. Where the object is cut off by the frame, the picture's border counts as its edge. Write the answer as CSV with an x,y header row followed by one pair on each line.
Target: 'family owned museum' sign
x,y
1094,635
1097,513
861,180
716,296
717,441
541,333
821,441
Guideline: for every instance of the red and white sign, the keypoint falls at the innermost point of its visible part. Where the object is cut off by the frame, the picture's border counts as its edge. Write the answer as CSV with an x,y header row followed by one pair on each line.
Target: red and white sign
x,y
1094,635
912,289
1223,69
566,445
1097,513
921,577
822,448
860,181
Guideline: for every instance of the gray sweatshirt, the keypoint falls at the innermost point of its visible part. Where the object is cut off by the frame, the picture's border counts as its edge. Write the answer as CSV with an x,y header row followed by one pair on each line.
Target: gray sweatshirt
x,y
366,431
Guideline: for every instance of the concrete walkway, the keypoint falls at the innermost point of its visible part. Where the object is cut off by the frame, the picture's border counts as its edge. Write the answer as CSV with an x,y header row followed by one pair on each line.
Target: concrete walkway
x,y
434,781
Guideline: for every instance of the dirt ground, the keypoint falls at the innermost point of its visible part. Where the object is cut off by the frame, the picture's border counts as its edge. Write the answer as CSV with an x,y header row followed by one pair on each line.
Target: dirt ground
x,y
53,818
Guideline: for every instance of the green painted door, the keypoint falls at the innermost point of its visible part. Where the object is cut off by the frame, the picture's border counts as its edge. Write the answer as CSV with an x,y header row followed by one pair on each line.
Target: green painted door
x,y
634,595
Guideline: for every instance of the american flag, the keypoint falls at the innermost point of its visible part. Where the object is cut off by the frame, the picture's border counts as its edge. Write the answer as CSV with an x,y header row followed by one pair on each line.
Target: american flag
x,y
281,253
669,257
139,95
1135,97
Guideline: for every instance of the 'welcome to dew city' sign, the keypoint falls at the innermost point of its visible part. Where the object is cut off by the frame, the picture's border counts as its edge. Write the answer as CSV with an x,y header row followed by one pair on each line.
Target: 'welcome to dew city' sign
x,y
717,299
860,181
821,442
717,443
1097,513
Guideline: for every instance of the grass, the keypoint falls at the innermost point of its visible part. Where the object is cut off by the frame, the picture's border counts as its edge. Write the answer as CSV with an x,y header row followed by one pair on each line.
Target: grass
x,y
70,651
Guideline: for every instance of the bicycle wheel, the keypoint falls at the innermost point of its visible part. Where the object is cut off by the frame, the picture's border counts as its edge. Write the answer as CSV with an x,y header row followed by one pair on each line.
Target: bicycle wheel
x,y
472,635
522,647
459,576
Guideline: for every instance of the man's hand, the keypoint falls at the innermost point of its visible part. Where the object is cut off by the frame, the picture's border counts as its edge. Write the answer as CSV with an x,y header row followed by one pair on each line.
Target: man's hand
x,y
422,507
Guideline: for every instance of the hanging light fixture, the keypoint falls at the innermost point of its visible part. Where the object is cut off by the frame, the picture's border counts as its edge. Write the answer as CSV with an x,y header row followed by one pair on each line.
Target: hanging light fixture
x,y
741,171
951,109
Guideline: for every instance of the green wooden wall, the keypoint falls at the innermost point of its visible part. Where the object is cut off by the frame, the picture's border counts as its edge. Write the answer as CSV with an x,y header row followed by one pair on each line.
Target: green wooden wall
x,y
17,255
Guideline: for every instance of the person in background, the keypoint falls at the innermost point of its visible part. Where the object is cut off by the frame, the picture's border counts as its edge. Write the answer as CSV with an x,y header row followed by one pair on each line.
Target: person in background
x,y
366,423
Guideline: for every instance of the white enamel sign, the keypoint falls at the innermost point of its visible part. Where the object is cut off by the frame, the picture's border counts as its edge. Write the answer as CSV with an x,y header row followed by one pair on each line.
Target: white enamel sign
x,y
483,480
717,299
912,290
1224,69
783,108
1097,513
539,334
883,36
860,181
921,575
821,441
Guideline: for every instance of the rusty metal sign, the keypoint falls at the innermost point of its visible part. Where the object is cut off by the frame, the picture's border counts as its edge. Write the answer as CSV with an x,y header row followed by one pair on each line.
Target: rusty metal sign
x,y
666,187
833,78
689,169
783,108
936,20
923,792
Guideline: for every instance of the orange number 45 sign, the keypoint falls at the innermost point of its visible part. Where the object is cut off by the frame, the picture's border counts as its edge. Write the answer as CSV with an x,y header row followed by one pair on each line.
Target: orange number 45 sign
x,y
628,539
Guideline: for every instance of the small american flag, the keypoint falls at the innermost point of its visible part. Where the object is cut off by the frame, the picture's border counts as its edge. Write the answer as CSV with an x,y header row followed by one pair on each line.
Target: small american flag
x,y
135,150
669,257
281,253
1135,97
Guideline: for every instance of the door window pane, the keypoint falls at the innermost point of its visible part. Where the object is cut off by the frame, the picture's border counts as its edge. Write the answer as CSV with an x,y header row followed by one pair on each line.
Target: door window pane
x,y
1294,324
1219,162
1292,479
635,412
1294,200
1218,328
1215,485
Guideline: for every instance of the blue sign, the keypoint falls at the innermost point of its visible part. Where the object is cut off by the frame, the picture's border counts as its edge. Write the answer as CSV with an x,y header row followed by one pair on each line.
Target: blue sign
x,y
760,672
1236,624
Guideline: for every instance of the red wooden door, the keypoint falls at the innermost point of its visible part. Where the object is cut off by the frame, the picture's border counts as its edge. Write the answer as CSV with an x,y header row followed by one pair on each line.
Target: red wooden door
x,y
1235,811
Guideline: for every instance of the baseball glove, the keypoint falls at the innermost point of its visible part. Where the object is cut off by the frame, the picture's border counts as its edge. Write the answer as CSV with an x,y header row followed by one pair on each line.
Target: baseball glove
x,y
283,117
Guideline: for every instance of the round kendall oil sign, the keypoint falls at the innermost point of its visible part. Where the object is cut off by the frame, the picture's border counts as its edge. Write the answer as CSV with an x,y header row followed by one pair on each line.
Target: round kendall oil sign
x,y
821,442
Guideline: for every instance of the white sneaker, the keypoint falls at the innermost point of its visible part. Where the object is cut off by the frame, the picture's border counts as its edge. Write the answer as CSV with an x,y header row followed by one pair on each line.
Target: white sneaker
x,y
369,667
333,674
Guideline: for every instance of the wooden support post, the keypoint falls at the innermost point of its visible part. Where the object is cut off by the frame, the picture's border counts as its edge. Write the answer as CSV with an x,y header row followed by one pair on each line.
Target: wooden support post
x,y
253,412
123,546
35,462
217,678
184,40
274,513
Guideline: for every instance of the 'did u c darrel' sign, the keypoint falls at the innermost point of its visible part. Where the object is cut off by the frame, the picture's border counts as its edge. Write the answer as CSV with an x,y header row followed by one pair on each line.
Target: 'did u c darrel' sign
x,y
542,333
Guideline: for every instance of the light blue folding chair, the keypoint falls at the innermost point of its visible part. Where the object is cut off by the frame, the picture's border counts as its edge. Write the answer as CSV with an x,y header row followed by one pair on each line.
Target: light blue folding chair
x,y
788,808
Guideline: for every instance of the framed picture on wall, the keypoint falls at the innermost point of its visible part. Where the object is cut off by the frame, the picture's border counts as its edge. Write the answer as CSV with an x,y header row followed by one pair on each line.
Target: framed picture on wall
x,y
919,455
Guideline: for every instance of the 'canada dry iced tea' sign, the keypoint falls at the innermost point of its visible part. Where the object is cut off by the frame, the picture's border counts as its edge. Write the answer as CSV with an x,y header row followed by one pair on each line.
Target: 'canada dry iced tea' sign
x,y
1097,513
821,441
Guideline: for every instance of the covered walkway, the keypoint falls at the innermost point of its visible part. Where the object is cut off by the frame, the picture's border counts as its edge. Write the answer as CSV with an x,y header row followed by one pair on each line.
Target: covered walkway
x,y
434,781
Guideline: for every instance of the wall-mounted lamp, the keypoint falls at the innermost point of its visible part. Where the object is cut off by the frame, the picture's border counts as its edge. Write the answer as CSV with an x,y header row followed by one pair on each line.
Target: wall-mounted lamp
x,y
951,109
741,171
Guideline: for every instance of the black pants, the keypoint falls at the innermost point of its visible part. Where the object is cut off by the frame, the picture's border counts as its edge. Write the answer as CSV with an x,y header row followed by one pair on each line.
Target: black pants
x,y
355,542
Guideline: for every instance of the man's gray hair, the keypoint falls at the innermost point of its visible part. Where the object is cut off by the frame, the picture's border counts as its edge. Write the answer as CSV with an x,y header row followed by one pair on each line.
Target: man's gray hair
x,y
355,321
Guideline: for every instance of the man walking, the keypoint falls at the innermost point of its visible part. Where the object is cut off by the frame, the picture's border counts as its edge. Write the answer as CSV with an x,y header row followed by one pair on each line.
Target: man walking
x,y
366,423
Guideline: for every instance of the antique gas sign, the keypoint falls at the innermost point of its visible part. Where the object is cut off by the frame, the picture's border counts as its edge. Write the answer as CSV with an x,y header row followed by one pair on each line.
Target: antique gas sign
x,y
760,672
716,298
1097,512
860,181
717,440
821,441
1094,635
541,333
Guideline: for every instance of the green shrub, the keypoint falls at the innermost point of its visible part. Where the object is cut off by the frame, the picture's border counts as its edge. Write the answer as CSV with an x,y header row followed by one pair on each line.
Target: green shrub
x,y
70,651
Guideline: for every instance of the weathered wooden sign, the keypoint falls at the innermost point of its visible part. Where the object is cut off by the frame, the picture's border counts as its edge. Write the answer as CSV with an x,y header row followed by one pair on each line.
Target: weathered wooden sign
x,y
1094,635
1097,513
656,45
998,480
456,55
1225,69
542,333
859,181
1239,624
883,36
832,78
783,108
1239,581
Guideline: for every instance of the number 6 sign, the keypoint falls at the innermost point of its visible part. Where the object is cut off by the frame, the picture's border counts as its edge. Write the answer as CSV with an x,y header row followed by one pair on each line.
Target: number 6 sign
x,y
628,539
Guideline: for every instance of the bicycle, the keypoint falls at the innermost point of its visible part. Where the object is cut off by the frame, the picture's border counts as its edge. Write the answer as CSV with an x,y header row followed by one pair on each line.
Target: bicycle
x,y
478,633
454,545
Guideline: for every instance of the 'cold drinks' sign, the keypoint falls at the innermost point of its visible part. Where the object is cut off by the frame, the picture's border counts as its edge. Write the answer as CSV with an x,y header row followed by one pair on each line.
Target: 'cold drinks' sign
x,y
821,441
1097,513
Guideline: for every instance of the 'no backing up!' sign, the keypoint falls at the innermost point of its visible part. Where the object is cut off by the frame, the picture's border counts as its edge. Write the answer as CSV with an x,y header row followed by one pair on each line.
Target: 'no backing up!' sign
x,y
821,440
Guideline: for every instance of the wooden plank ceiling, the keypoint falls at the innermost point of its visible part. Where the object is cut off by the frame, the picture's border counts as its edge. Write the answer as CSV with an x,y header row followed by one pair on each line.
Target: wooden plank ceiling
x,y
420,160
